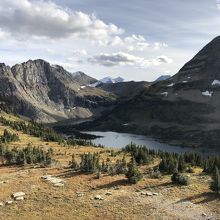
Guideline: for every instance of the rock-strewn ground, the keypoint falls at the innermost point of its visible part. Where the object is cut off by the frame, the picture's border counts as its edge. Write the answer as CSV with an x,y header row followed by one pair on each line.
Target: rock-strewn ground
x,y
76,198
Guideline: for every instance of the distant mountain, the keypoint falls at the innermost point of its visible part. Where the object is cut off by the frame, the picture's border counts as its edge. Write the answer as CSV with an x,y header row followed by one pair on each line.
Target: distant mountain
x,y
183,109
107,80
49,93
124,90
83,79
163,77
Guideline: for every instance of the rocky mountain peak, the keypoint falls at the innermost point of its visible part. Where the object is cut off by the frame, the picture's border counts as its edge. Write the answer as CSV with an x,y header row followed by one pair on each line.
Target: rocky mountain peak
x,y
205,65
48,92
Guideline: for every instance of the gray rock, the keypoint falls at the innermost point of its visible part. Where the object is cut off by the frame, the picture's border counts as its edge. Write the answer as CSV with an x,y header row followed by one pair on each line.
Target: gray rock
x,y
155,194
149,193
19,198
98,197
9,202
18,194
59,184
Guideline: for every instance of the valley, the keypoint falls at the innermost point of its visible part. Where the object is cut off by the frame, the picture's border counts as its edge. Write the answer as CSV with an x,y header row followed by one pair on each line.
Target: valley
x,y
109,110
181,110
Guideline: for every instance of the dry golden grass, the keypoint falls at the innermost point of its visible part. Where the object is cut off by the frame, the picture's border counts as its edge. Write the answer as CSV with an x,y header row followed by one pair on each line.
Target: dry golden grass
x,y
46,202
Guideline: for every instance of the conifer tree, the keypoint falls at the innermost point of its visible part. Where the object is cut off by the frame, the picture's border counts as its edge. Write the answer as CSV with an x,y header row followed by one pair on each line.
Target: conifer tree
x,y
215,184
74,164
133,174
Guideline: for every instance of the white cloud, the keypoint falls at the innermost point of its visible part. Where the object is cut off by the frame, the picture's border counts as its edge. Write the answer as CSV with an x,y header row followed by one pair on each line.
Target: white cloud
x,y
122,59
131,43
158,45
80,52
25,18
164,59
135,43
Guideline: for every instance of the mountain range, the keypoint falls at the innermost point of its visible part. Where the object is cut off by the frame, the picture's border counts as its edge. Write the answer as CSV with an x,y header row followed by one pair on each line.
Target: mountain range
x,y
107,80
49,93
182,109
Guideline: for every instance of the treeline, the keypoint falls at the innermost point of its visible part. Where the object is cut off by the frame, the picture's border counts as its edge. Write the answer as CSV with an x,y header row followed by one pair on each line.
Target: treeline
x,y
82,142
177,164
34,129
170,162
27,155
46,134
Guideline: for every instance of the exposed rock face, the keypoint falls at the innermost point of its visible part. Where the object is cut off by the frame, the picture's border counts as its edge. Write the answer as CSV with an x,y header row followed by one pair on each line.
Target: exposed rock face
x,y
48,93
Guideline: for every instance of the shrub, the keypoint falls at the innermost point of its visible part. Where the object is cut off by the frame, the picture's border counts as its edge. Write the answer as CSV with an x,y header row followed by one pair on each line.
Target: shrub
x,y
155,174
181,179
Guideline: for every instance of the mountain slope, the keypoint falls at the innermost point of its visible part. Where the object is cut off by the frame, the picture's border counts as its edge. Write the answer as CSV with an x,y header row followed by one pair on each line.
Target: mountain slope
x,y
124,90
83,79
49,93
163,77
183,109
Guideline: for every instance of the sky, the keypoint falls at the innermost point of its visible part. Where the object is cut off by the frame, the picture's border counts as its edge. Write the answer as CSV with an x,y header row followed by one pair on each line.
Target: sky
x,y
135,39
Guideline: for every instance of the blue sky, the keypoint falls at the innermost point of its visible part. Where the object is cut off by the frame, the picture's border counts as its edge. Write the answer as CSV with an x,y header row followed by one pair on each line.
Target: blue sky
x,y
138,40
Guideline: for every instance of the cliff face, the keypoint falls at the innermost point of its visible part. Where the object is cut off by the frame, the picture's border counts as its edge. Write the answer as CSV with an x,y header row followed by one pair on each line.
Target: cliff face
x,y
49,93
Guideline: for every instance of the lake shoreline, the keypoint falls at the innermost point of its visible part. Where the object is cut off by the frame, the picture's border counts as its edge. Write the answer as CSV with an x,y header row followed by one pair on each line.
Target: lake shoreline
x,y
120,140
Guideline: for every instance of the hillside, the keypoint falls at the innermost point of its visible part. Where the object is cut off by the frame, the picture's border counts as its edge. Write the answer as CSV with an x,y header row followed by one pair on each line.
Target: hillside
x,y
83,79
184,109
74,197
49,93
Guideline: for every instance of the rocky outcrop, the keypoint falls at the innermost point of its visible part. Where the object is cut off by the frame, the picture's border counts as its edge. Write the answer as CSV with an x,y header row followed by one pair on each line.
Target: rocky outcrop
x,y
49,93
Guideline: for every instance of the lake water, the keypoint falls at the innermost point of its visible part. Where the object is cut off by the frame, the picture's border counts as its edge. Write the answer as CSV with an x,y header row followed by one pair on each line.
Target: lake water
x,y
120,140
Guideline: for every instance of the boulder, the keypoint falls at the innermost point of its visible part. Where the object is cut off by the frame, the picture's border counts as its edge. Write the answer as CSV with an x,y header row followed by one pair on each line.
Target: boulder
x,y
149,193
1,204
18,194
19,198
9,202
59,184
99,197
52,179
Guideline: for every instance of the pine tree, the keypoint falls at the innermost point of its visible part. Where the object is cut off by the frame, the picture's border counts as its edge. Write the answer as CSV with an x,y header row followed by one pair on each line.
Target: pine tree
x,y
181,164
74,164
215,184
133,174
